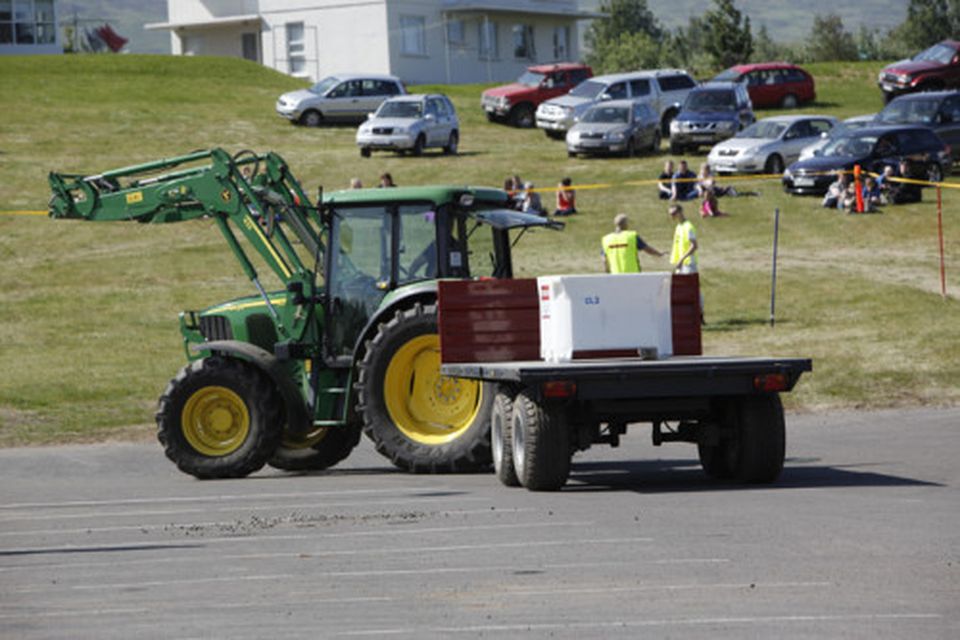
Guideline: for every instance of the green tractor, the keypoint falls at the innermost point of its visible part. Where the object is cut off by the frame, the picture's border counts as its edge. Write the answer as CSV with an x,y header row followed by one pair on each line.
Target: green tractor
x,y
347,343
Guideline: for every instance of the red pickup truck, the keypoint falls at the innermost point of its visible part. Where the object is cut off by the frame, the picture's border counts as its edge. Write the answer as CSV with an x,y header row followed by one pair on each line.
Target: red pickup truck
x,y
516,103
932,69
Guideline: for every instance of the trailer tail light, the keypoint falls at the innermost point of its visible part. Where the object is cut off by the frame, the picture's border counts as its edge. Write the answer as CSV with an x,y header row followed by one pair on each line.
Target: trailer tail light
x,y
559,389
770,382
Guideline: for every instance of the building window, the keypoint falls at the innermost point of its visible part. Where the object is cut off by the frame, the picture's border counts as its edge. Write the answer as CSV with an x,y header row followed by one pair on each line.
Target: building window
x,y
456,36
413,35
561,43
488,40
296,48
523,48
250,45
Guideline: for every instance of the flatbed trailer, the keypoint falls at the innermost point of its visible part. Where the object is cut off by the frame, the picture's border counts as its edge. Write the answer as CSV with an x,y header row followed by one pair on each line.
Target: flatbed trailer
x,y
545,411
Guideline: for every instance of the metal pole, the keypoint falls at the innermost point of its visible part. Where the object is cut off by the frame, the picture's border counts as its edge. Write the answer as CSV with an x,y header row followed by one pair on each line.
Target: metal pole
x,y
943,271
773,280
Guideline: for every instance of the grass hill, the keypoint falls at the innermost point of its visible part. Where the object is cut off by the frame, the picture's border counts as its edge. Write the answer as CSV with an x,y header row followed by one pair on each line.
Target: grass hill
x,y
88,329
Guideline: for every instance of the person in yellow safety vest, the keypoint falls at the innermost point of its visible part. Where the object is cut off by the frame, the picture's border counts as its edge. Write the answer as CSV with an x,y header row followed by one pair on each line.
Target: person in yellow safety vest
x,y
683,256
621,249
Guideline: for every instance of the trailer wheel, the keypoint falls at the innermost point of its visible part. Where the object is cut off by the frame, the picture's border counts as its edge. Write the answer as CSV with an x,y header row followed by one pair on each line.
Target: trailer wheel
x,y
501,439
762,439
421,420
318,450
716,461
541,444
219,418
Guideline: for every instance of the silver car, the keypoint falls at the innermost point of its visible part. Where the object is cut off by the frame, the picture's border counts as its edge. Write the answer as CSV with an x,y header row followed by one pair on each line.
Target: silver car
x,y
768,145
341,98
411,123
842,129
618,126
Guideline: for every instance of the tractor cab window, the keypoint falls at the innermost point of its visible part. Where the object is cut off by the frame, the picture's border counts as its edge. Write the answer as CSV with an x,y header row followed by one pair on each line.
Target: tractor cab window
x,y
431,244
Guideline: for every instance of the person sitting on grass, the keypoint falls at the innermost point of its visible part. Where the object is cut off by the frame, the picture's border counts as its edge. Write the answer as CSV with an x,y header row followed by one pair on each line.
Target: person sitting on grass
x,y
683,184
566,198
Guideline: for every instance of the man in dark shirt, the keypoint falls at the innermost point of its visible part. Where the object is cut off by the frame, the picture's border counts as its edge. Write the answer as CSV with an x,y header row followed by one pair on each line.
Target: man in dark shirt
x,y
684,183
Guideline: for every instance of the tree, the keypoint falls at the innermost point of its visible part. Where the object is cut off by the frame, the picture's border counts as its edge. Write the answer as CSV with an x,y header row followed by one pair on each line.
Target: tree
x,y
628,52
929,22
829,40
727,37
608,39
764,48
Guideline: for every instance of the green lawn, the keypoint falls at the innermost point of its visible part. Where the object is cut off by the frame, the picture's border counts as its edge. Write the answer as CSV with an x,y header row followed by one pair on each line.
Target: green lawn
x,y
88,330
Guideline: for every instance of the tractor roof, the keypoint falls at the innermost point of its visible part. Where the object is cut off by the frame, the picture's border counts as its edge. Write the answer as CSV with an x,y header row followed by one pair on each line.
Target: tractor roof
x,y
438,194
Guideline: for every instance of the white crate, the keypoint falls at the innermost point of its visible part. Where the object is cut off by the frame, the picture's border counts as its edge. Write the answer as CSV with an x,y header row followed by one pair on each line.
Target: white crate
x,y
605,313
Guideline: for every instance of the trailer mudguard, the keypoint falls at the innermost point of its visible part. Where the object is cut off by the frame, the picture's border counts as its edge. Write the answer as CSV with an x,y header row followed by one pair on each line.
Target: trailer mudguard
x,y
298,417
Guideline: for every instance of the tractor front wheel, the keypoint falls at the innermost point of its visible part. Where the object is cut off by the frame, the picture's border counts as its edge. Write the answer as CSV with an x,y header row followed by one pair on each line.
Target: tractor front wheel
x,y
219,418
317,450
420,419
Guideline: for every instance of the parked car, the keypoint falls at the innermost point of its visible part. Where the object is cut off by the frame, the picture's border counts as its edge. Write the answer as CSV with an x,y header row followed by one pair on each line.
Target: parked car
x,y
712,112
411,123
617,126
932,69
664,90
872,148
939,110
773,84
768,145
341,98
842,129
517,102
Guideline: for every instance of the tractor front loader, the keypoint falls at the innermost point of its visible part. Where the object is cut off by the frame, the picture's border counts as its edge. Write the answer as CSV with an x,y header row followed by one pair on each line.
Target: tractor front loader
x,y
291,377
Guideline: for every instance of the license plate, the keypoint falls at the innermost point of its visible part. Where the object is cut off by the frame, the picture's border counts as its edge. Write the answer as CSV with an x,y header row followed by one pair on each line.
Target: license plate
x,y
702,138
488,109
804,182
888,87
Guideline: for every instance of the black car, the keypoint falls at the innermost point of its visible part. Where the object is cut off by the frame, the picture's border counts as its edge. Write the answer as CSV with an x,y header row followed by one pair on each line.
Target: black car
x,y
939,110
872,148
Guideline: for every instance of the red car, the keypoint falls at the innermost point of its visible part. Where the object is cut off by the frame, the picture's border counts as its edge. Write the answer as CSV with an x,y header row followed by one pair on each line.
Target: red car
x,y
932,69
773,84
517,102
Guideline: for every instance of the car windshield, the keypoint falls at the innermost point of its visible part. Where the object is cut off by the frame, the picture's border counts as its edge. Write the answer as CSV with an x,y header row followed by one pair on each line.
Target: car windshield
x,y
730,75
324,85
588,89
716,100
909,112
764,130
531,79
937,53
607,114
400,109
853,145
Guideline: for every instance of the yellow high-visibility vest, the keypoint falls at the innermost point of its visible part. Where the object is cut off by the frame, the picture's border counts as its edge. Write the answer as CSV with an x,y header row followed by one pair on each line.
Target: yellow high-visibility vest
x,y
682,243
620,250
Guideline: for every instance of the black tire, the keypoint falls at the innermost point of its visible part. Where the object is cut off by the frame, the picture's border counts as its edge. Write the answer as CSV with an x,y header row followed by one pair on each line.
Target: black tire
x,y
773,165
453,143
676,148
418,146
522,116
219,418
665,123
541,444
555,135
364,152
501,438
571,154
762,439
630,150
789,101
321,451
491,117
655,143
887,97
407,416
311,118
716,460
934,172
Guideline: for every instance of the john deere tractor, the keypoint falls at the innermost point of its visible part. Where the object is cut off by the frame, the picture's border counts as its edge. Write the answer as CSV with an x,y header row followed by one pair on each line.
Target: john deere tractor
x,y
347,342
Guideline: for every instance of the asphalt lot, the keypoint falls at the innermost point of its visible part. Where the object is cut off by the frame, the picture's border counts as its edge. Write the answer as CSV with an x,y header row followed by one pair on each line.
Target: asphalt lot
x,y
860,538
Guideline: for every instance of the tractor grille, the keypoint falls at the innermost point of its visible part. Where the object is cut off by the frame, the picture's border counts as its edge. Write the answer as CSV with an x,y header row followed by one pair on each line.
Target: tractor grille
x,y
215,328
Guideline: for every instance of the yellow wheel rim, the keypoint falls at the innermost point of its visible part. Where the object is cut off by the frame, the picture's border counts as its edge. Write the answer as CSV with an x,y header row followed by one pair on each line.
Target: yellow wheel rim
x,y
426,406
215,421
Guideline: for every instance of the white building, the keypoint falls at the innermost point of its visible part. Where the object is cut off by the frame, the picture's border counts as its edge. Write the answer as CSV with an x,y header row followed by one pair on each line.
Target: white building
x,y
29,27
421,41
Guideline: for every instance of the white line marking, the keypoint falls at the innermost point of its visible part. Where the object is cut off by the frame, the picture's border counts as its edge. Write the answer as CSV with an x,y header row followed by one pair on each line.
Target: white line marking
x,y
507,591
511,568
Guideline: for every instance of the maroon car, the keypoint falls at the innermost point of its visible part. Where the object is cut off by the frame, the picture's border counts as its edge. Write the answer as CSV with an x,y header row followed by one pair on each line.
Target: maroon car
x,y
773,84
517,102
932,69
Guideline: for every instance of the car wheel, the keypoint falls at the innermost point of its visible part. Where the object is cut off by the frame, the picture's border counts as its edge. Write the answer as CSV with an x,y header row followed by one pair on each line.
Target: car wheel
x,y
655,145
522,116
665,123
571,154
934,173
774,165
789,101
418,145
452,144
311,118
629,151
364,152
491,117
676,148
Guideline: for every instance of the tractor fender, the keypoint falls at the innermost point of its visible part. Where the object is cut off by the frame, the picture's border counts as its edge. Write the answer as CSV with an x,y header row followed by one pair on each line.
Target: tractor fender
x,y
297,415
401,298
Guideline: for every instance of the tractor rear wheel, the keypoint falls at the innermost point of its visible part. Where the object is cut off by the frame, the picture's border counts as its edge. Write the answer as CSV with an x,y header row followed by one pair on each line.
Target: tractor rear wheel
x,y
317,450
219,418
421,420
